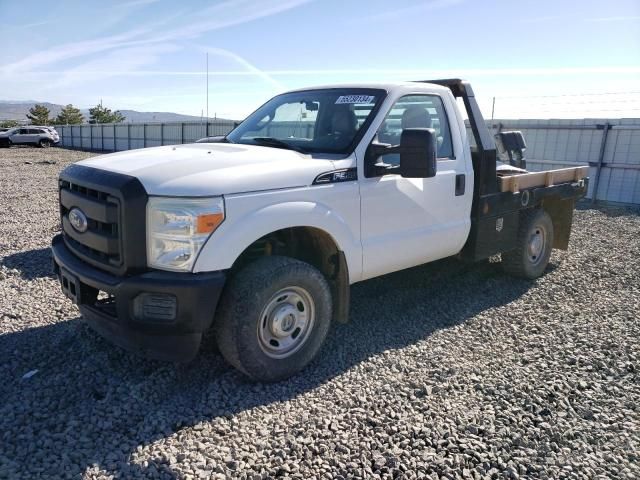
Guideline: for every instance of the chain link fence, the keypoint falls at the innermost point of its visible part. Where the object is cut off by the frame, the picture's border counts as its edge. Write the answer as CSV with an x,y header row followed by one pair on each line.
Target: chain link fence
x,y
129,136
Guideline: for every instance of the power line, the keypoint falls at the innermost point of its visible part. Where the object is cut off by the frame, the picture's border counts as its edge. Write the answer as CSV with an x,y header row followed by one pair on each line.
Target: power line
x,y
629,101
614,104
569,95
595,110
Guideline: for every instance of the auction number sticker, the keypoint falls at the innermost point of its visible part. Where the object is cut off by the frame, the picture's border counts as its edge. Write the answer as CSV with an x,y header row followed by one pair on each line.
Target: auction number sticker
x,y
355,99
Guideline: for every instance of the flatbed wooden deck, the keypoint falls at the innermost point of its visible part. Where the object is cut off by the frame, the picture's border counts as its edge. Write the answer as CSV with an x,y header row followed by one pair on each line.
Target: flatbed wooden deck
x,y
515,183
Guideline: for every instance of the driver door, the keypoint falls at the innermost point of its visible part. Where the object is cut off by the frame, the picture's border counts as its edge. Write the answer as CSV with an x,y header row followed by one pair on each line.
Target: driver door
x,y
411,221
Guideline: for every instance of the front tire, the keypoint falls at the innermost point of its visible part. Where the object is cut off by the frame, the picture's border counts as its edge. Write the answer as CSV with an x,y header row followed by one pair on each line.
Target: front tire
x,y
535,241
44,143
274,317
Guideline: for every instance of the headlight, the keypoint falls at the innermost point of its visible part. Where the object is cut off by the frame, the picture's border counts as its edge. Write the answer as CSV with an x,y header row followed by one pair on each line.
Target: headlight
x,y
177,229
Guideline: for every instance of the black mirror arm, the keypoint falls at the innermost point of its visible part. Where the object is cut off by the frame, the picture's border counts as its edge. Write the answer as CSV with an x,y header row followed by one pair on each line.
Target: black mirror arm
x,y
375,168
379,149
386,169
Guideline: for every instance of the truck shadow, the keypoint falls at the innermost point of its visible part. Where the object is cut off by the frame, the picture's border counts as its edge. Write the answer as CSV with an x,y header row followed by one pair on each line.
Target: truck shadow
x,y
92,406
31,264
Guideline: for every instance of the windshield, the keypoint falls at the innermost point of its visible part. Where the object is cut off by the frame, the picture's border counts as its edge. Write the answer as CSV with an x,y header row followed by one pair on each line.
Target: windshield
x,y
328,120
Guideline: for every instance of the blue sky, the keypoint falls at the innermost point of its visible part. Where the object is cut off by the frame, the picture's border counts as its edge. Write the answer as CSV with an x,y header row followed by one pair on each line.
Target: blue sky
x,y
150,54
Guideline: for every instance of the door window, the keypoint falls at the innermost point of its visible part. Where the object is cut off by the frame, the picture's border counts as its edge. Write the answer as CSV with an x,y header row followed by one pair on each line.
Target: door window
x,y
416,111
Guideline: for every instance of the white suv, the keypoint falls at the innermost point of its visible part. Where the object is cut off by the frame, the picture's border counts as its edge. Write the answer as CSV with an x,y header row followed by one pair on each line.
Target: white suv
x,y
29,135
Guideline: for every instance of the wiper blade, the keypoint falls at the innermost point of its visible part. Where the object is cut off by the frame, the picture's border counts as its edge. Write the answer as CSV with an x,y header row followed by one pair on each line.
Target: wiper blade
x,y
277,143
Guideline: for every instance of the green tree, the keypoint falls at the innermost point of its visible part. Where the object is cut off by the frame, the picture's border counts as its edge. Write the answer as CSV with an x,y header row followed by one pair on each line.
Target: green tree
x,y
38,115
8,123
69,115
100,114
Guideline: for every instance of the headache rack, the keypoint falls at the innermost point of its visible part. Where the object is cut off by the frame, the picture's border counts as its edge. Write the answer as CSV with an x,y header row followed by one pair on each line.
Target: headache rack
x,y
499,199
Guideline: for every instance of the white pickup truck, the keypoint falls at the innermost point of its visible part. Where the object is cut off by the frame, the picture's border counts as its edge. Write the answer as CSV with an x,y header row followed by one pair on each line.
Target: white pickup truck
x,y
259,234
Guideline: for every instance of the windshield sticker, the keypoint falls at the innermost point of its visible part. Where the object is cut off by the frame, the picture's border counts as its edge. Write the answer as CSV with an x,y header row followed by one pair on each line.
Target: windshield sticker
x,y
355,99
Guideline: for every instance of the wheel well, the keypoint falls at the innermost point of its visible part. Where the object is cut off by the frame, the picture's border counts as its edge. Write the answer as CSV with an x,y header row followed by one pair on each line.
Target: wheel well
x,y
311,245
308,244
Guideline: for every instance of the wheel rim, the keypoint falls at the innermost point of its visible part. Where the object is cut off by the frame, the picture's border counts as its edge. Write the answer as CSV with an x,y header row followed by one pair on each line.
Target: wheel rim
x,y
44,144
286,322
536,244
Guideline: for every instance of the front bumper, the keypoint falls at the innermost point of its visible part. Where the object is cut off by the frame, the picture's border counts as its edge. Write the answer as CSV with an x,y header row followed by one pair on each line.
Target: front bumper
x,y
114,317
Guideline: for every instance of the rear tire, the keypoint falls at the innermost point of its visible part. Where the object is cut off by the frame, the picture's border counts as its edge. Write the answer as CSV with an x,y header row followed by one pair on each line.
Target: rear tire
x,y
534,244
274,317
44,143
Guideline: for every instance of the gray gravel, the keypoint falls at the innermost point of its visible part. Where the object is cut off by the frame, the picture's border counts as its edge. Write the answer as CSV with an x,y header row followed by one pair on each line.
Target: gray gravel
x,y
446,371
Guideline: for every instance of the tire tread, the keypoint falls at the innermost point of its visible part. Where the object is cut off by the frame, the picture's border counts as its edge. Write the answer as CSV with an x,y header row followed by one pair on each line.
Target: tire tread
x,y
513,261
236,304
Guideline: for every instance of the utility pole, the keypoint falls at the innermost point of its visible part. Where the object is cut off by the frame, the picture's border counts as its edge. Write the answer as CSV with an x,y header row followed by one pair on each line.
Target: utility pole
x,y
207,87
493,107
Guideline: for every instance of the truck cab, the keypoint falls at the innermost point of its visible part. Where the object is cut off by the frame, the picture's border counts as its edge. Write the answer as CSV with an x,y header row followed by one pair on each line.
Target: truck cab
x,y
259,234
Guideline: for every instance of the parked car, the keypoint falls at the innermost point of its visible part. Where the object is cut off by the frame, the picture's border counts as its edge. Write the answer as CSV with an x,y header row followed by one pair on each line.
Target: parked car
x,y
30,135
259,234
50,129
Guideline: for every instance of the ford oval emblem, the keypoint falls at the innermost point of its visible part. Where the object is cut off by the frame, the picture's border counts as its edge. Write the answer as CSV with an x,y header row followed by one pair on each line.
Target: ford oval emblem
x,y
78,220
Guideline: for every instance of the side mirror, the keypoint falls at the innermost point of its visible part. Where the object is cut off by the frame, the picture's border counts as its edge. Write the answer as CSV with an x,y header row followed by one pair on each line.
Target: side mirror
x,y
418,153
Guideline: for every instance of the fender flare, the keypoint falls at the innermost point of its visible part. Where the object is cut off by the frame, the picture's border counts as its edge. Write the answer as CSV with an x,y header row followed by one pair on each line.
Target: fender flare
x,y
236,234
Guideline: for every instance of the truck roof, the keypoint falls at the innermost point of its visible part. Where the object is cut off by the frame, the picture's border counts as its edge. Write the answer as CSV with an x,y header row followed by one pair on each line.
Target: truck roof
x,y
385,86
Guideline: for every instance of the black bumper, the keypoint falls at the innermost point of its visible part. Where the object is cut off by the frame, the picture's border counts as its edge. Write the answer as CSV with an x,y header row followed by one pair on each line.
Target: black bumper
x,y
114,318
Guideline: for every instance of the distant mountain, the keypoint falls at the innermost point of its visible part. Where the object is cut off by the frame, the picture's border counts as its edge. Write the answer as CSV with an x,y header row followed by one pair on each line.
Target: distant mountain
x,y
20,101
17,110
134,116
10,110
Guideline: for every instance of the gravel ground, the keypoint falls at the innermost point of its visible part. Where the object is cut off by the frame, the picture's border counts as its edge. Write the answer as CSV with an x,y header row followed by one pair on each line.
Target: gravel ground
x,y
445,371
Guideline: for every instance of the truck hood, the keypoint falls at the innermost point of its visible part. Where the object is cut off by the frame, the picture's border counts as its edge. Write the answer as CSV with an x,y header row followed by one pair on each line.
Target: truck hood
x,y
203,169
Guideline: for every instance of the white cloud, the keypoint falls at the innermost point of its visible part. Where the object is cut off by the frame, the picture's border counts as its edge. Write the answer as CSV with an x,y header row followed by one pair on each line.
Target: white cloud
x,y
420,7
70,50
249,68
417,73
553,18
126,54
626,18
543,19
137,3
121,62
226,14
31,25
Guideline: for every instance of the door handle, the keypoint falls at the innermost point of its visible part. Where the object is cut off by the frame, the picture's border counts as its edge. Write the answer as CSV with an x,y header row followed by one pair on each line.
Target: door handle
x,y
460,183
